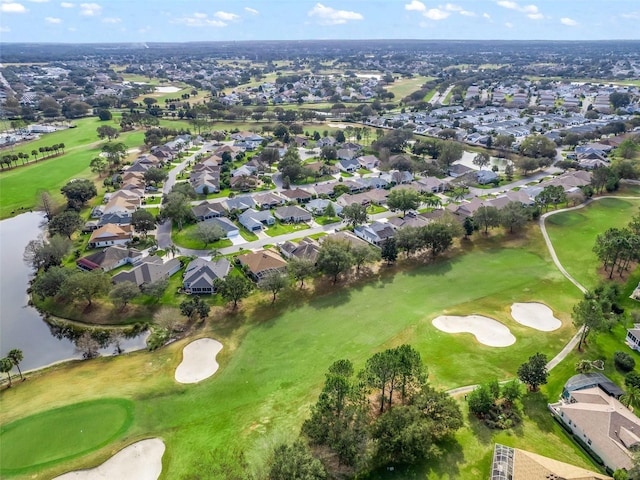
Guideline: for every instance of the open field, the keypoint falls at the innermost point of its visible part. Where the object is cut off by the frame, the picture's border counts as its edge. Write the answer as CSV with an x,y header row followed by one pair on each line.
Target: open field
x,y
274,358
574,233
405,86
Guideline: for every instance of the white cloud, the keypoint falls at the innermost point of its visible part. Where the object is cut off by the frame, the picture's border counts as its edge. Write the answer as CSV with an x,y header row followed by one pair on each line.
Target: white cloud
x,y
570,22
200,20
111,20
532,11
486,15
226,16
90,9
67,5
632,15
72,29
508,25
436,14
252,11
4,29
53,20
39,1
450,7
12,7
415,5
331,16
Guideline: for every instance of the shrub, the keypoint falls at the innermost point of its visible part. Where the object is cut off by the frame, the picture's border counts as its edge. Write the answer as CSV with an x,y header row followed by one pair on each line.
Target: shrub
x,y
632,379
624,361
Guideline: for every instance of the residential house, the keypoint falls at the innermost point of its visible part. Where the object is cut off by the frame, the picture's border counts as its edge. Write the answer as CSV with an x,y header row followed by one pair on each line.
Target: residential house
x,y
344,236
398,177
429,184
150,270
375,233
633,337
376,196
261,263
239,203
307,249
244,183
110,258
457,170
268,200
486,176
348,165
230,229
244,170
604,424
514,464
254,220
583,381
411,219
347,154
326,142
200,275
207,210
319,205
292,214
373,182
368,162
110,234
297,195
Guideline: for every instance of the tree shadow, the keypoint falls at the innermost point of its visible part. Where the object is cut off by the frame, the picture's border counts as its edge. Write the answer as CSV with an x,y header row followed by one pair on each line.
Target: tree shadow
x,y
483,433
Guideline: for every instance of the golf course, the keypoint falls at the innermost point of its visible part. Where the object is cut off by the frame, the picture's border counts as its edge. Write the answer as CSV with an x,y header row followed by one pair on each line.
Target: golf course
x,y
274,359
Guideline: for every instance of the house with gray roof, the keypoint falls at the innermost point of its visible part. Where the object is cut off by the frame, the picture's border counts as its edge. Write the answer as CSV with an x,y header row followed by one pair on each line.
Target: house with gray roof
x,y
207,210
241,203
200,275
307,249
229,228
254,220
110,258
349,165
292,214
319,205
151,269
375,233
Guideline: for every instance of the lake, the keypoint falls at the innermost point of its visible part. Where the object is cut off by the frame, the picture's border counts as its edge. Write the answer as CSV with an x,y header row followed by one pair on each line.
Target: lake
x,y
22,326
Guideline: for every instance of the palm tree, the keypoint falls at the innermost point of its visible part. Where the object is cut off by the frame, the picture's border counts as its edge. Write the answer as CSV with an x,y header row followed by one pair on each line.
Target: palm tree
x,y
631,397
61,147
171,248
34,154
214,252
16,356
5,367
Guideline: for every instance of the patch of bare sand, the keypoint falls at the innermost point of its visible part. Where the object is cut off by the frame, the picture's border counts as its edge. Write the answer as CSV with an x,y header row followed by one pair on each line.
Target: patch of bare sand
x,y
198,361
487,331
535,315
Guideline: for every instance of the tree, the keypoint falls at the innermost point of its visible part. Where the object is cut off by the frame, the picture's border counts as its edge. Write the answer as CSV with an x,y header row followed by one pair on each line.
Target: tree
x,y
86,285
619,99
115,153
295,461
511,391
15,356
328,153
195,306
41,253
108,132
208,232
87,345
480,400
65,223
334,258
355,214
300,268
122,293
534,372
403,199
363,254
79,191
273,282
381,372
469,226
177,209
5,367
537,146
155,289
99,165
291,165
482,159
155,175
627,149
487,217
389,250
631,397
508,171
233,288
587,317
329,211
551,195
143,221
513,215
449,152
47,205
104,115
49,282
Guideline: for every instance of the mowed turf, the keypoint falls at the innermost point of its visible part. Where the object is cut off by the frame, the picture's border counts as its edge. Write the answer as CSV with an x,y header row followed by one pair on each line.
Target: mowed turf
x,y
63,433
270,375
574,233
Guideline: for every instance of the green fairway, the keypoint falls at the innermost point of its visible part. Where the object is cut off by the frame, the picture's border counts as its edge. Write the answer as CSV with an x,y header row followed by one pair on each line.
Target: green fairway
x,y
574,233
61,434
405,86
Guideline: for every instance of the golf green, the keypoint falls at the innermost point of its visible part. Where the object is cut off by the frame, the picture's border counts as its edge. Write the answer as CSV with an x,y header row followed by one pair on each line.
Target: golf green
x,y
62,433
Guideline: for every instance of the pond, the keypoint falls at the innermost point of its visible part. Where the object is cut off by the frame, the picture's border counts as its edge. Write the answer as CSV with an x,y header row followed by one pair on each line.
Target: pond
x,y
22,326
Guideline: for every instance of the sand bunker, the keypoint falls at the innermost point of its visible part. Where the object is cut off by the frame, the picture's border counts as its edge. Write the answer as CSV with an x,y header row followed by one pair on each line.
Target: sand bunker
x,y
141,460
535,315
198,361
486,330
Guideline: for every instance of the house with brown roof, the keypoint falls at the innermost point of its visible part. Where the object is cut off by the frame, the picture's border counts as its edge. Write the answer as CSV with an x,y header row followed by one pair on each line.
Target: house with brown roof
x,y
110,234
296,195
261,263
604,424
514,464
267,200
110,258
307,249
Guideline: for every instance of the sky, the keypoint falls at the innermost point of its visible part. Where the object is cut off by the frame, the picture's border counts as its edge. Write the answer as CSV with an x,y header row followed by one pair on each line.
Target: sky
x,y
214,20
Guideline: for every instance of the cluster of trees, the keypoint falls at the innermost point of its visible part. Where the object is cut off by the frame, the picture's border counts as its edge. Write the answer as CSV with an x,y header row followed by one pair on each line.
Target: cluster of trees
x,y
45,152
598,311
618,248
410,423
13,359
176,205
434,238
514,216
496,405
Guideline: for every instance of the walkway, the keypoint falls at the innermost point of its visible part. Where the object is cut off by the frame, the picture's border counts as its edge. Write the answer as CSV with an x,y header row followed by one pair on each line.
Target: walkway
x,y
574,340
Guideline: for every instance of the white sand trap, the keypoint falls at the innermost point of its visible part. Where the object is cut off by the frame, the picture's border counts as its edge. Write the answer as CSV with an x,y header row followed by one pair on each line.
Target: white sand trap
x,y
139,461
487,331
535,315
198,361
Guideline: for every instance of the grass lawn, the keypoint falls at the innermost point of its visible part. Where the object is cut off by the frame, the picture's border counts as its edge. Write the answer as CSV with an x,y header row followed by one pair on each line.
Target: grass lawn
x,y
275,357
61,434
574,233
373,209
405,86
283,228
186,238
